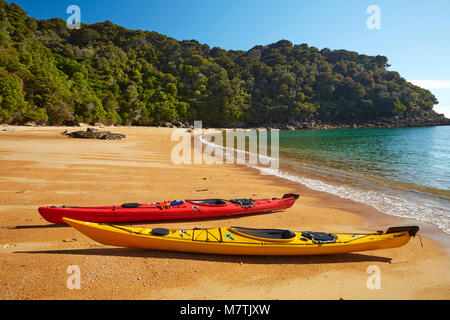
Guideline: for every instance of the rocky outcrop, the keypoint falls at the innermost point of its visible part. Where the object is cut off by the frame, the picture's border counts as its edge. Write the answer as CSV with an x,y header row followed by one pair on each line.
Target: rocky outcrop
x,y
175,124
92,133
384,122
8,129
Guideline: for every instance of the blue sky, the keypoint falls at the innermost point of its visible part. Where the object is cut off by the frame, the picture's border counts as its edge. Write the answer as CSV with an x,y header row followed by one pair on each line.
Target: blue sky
x,y
414,34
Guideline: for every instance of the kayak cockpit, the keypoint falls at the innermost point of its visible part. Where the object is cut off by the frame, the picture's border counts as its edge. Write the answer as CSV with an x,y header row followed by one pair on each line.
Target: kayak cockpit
x,y
264,234
209,202
221,202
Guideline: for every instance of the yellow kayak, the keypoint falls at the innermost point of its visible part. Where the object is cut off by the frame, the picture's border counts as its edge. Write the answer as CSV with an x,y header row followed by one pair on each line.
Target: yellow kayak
x,y
243,241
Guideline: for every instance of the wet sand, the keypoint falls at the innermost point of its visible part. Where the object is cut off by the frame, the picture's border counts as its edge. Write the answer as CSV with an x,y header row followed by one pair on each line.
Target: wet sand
x,y
39,167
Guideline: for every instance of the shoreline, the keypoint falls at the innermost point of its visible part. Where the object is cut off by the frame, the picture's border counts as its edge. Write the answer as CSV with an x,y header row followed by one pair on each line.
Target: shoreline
x,y
395,122
331,185
42,167
370,215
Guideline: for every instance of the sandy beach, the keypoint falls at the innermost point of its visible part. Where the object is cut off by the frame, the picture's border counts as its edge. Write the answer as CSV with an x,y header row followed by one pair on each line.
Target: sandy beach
x,y
40,166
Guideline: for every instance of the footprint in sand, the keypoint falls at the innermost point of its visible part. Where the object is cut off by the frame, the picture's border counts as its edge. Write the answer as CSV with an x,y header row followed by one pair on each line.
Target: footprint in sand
x,y
9,245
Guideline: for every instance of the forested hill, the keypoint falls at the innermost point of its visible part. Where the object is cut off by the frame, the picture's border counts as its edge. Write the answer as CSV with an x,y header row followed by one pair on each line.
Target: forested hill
x,y
104,73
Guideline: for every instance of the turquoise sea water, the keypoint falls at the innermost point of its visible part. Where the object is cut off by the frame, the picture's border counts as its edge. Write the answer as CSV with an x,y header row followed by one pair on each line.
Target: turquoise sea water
x,y
400,171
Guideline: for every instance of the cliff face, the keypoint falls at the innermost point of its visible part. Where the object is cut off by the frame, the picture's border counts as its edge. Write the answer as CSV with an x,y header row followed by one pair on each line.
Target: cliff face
x,y
104,73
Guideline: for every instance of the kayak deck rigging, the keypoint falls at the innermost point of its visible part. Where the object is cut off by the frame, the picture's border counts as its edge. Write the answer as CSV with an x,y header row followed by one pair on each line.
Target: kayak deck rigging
x,y
273,235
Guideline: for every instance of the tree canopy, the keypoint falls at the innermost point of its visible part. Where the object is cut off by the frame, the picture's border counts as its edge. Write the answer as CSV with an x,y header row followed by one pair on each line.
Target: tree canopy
x,y
108,74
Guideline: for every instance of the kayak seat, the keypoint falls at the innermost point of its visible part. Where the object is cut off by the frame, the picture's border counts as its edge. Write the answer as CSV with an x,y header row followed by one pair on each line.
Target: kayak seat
x,y
209,201
266,233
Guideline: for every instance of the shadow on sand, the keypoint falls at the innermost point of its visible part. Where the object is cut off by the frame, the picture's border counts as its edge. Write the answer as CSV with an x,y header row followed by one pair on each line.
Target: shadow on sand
x,y
43,226
141,253
150,223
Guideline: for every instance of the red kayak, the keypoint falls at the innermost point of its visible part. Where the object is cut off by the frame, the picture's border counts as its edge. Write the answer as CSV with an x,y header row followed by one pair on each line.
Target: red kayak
x,y
167,210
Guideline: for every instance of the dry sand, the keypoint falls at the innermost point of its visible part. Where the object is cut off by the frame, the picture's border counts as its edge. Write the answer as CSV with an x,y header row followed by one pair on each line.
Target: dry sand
x,y
39,166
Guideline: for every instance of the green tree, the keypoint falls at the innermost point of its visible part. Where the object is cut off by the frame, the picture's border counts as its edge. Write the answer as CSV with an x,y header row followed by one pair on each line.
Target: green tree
x,y
12,102
107,73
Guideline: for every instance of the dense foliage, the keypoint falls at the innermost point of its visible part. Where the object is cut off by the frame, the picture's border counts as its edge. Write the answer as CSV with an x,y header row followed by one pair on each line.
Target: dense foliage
x,y
105,73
